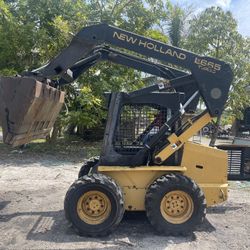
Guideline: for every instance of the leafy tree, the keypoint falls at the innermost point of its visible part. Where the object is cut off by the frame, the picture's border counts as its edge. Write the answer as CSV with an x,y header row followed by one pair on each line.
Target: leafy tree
x,y
130,15
86,109
32,32
214,33
176,25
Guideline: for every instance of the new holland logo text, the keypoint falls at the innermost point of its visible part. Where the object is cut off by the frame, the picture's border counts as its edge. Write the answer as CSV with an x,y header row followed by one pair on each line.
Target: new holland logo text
x,y
149,45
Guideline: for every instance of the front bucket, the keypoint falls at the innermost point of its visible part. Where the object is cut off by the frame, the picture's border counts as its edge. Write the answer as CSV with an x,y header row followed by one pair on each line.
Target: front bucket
x,y
28,109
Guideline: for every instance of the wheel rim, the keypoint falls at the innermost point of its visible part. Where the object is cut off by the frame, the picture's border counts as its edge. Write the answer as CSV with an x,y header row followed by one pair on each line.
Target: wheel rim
x,y
177,207
93,207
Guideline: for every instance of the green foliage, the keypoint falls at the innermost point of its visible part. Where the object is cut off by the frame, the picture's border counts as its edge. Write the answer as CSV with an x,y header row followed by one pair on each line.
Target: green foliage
x,y
176,25
227,118
32,32
157,35
86,110
214,33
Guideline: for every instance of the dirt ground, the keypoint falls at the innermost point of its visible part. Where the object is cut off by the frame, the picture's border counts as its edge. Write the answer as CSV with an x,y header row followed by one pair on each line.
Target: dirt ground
x,y
33,183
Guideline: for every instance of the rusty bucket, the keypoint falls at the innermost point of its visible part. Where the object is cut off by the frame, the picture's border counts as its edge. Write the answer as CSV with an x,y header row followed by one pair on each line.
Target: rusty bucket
x,y
28,109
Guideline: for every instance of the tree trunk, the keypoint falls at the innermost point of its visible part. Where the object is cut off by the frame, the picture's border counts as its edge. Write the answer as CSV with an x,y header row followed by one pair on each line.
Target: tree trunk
x,y
235,128
215,133
71,129
55,132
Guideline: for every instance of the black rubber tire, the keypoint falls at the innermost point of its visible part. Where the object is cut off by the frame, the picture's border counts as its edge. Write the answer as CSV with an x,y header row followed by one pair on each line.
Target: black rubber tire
x,y
101,183
159,188
84,170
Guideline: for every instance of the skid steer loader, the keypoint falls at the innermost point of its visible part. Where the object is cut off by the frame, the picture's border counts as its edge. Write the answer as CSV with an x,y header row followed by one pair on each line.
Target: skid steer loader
x,y
147,162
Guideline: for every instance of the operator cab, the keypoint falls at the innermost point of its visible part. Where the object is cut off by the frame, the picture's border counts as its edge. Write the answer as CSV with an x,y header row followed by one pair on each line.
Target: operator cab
x,y
133,120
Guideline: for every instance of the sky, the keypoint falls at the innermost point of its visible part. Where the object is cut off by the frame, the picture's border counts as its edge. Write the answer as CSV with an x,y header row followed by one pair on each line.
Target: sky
x,y
239,8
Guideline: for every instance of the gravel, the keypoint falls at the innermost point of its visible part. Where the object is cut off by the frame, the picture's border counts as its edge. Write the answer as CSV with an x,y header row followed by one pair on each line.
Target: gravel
x,y
31,212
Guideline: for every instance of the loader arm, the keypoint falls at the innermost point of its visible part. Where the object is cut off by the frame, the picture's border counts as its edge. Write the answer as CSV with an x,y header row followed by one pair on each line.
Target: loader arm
x,y
109,54
212,76
31,111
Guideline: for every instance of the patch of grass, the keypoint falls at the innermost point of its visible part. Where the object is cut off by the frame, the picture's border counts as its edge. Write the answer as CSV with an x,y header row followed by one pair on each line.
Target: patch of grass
x,y
69,147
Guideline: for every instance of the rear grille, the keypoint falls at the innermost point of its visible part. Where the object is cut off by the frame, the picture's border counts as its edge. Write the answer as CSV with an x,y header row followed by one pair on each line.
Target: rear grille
x,y
234,162
238,161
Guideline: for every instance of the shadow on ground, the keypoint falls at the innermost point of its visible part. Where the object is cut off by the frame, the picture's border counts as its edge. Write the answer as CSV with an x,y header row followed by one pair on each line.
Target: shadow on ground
x,y
222,209
3,204
51,226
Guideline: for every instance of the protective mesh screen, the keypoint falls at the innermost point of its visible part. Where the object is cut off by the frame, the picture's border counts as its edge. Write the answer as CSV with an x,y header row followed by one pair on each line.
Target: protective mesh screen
x,y
136,124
